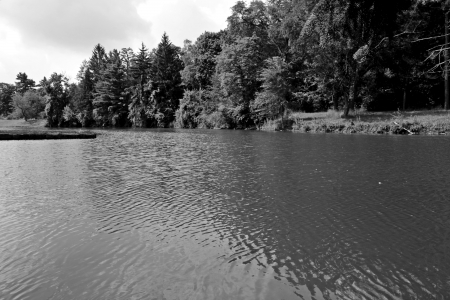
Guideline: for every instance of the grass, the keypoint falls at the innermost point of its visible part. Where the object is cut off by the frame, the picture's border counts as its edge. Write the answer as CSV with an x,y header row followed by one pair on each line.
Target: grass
x,y
398,122
35,129
394,122
21,124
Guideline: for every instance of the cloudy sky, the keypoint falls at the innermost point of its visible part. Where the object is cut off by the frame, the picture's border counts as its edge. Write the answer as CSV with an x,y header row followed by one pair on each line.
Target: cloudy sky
x,y
46,36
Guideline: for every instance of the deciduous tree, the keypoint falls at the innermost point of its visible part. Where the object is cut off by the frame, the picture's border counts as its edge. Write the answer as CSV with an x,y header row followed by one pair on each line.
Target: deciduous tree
x,y
29,105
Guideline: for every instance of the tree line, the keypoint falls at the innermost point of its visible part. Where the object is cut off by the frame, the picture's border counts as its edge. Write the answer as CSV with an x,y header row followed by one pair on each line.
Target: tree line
x,y
274,57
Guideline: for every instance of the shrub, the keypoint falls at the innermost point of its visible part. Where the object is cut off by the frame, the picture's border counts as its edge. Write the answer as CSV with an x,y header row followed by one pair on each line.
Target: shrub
x,y
187,115
70,118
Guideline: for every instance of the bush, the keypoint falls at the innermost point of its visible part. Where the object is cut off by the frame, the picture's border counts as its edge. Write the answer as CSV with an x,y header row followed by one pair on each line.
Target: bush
x,y
70,118
187,115
85,118
219,119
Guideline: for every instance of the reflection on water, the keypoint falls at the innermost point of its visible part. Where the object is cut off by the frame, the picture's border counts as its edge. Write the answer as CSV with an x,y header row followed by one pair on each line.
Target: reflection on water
x,y
225,215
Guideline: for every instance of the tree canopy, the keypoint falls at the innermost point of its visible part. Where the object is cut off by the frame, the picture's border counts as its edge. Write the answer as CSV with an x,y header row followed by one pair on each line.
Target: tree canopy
x,y
274,57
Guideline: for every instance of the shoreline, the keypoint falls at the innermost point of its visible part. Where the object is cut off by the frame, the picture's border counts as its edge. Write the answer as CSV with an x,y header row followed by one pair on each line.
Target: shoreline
x,y
376,123
371,123
36,130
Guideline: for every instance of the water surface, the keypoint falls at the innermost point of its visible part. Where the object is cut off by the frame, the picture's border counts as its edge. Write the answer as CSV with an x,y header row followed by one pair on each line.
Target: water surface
x,y
180,214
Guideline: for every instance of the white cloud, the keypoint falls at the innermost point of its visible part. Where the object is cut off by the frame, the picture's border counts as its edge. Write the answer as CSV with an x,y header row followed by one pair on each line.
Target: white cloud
x,y
46,36
74,24
184,19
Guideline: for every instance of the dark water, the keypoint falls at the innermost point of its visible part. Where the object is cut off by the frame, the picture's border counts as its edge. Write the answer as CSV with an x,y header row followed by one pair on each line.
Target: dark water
x,y
225,215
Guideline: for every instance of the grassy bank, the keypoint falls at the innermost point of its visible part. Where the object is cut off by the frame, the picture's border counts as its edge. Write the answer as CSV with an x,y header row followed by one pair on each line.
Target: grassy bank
x,y
36,130
408,122
21,124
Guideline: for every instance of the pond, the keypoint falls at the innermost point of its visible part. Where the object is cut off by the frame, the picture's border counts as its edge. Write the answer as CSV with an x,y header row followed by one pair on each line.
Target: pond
x,y
192,214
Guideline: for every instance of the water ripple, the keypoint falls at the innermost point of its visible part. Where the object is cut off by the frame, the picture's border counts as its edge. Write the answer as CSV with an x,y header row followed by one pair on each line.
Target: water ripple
x,y
163,214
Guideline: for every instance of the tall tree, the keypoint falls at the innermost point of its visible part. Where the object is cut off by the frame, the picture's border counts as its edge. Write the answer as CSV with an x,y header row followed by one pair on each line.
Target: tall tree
x,y
6,98
238,68
139,107
57,92
166,81
272,101
127,55
110,102
259,19
83,99
97,62
23,83
356,29
200,60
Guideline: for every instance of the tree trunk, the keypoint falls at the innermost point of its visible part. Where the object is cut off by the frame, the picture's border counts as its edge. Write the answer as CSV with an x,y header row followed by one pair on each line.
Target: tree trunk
x,y
335,101
447,101
404,99
23,113
350,99
281,111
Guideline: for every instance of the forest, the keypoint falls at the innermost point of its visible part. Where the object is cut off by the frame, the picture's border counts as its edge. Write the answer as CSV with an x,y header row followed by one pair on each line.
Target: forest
x,y
275,57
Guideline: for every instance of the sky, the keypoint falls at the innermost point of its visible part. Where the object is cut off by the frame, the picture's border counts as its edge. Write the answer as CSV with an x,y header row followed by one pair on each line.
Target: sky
x,y
46,36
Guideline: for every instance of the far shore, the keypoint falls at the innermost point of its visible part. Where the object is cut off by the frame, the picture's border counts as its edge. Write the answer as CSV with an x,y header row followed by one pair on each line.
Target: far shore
x,y
36,130
21,124
429,122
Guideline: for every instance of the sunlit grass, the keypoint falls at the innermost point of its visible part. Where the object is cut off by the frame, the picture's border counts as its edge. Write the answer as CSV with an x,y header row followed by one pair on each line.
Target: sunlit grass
x,y
360,121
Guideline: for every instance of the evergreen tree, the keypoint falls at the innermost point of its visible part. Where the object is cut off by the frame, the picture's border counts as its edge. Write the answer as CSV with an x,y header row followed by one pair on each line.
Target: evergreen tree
x,y
97,62
57,92
127,56
82,98
87,87
6,98
166,81
23,83
139,108
110,102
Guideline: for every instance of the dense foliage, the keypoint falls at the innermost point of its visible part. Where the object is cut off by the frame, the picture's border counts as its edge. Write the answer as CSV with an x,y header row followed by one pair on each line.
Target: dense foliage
x,y
274,57
29,105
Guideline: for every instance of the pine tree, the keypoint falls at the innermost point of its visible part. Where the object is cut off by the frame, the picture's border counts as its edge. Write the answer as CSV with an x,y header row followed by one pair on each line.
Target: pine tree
x,y
140,92
127,55
24,84
110,103
6,94
97,62
166,80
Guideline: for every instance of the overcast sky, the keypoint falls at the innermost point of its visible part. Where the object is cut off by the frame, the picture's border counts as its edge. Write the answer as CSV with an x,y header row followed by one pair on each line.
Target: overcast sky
x,y
46,36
